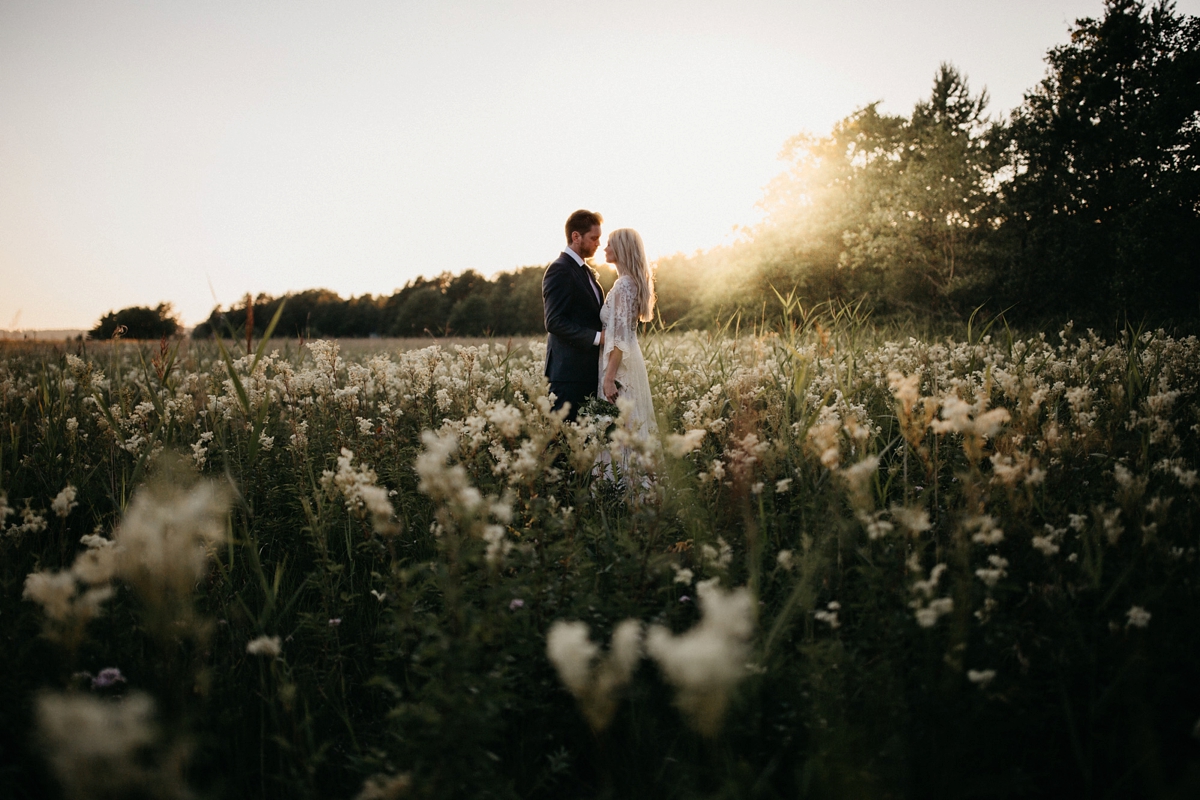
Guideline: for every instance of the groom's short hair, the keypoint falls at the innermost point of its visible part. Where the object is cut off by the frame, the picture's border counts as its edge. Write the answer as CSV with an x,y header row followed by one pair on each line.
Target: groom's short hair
x,y
582,221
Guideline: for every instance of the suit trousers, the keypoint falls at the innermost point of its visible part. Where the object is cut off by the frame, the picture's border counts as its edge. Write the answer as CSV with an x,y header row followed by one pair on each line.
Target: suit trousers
x,y
574,392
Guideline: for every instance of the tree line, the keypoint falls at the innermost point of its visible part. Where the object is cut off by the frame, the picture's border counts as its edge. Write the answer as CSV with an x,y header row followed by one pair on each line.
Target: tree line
x,y
467,304
1083,202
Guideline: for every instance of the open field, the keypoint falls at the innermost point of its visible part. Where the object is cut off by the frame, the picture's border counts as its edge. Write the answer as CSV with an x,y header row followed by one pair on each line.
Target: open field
x,y
854,565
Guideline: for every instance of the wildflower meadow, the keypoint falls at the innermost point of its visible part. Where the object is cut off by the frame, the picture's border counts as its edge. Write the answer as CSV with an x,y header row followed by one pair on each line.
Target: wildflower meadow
x,y
853,563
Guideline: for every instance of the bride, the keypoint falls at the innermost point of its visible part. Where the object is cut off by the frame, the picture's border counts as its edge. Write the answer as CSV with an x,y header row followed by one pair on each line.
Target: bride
x,y
631,299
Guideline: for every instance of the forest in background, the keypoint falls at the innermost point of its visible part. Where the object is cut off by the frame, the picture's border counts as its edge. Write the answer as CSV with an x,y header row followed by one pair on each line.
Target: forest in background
x,y
1083,203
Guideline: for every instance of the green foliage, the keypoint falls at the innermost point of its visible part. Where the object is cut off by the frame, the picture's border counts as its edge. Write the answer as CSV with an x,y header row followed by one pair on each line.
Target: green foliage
x,y
447,305
137,322
886,208
1085,204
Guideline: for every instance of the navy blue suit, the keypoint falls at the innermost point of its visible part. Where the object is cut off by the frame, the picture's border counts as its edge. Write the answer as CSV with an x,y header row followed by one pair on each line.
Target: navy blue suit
x,y
572,321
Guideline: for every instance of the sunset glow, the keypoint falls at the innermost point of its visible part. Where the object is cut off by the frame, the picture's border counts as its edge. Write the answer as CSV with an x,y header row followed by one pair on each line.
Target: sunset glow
x,y
152,152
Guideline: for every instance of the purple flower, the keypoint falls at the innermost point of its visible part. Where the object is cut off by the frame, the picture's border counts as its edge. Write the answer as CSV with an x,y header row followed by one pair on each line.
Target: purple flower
x,y
516,603
109,676
685,599
333,623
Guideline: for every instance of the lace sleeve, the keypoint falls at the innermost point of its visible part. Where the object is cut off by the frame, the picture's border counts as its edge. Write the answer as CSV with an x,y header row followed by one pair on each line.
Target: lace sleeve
x,y
624,315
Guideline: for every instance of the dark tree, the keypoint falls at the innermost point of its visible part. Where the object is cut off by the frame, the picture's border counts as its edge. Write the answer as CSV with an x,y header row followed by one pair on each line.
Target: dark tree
x,y
516,302
1104,207
471,316
420,308
469,297
137,322
463,305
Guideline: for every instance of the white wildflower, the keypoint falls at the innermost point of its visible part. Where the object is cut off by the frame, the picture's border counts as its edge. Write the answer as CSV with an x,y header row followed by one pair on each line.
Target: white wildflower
x,y
876,526
958,416
167,536
784,559
926,609
823,438
907,389
199,454
506,419
53,591
1047,545
829,615
64,502
913,520
299,439
76,364
161,548
98,564
972,420
1187,478
595,681
705,663
267,646
986,532
984,614
927,587
497,545
1122,475
95,746
1005,469
1138,617
719,558
94,541
928,616
858,478
1111,522
31,521
992,575
363,497
385,787
981,678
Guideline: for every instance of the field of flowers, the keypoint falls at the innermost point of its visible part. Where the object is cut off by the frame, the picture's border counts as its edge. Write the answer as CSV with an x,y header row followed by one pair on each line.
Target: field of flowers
x,y
853,565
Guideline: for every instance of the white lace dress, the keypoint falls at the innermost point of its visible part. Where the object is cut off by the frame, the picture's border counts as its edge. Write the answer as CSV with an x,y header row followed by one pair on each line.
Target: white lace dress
x,y
619,318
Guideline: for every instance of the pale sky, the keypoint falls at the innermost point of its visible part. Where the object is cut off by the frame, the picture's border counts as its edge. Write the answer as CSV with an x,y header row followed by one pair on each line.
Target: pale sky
x,y
150,150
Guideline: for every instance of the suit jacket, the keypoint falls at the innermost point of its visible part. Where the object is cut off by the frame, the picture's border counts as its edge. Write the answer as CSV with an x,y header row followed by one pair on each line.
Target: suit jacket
x,y
572,320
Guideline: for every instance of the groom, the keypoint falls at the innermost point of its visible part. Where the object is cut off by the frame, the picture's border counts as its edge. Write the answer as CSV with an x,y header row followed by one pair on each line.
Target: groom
x,y
572,301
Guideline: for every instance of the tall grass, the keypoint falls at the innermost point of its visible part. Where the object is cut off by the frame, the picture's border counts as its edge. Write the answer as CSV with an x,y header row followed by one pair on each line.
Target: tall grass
x,y
889,566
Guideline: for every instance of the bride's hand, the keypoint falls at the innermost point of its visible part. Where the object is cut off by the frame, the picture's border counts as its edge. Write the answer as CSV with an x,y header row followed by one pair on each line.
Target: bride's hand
x,y
610,389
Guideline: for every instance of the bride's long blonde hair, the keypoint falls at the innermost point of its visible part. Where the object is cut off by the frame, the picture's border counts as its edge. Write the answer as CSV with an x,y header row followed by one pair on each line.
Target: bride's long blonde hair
x,y
631,261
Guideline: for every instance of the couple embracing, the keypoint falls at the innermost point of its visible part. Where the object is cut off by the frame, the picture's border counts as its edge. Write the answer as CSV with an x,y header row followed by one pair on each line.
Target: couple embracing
x,y
592,347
